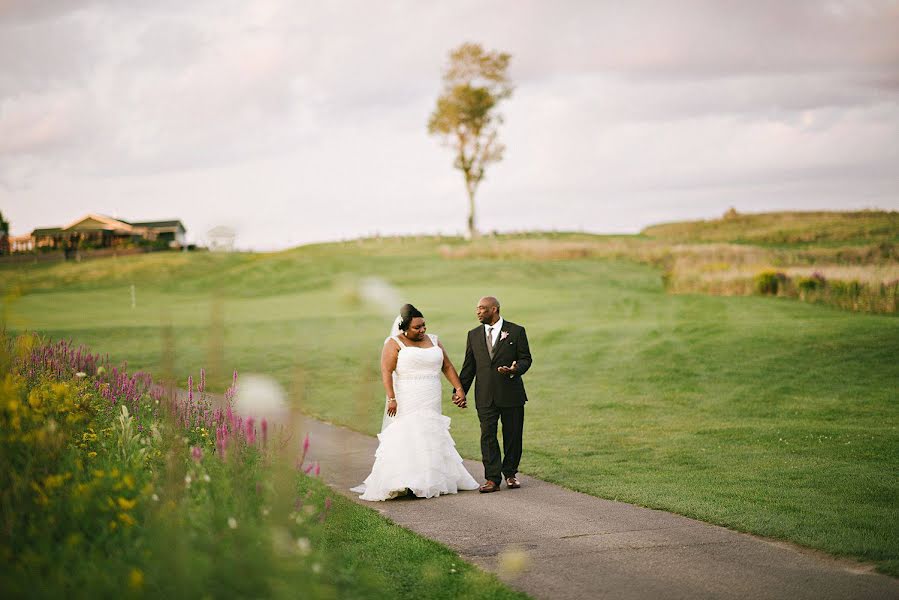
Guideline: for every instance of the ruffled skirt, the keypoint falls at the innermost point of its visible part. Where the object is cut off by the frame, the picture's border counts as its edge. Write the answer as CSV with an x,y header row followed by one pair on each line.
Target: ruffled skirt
x,y
416,452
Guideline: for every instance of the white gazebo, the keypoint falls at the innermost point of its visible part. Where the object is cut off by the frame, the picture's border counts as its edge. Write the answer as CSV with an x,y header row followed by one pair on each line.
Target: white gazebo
x,y
221,238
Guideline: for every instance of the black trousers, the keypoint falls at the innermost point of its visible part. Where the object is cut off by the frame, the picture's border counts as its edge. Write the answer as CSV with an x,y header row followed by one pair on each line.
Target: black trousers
x,y
495,465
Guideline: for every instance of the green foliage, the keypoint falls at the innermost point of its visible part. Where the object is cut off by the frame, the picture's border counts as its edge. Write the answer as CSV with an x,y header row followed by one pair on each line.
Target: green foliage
x,y
4,236
132,447
768,283
474,83
851,294
814,283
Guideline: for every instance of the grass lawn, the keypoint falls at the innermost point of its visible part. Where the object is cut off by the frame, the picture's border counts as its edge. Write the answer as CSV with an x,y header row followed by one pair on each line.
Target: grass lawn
x,y
763,415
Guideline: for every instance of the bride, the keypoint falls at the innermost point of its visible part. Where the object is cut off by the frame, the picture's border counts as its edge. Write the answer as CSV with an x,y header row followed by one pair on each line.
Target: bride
x,y
415,450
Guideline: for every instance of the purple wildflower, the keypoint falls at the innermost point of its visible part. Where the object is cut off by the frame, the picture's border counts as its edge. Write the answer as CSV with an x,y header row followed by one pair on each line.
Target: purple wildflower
x,y
251,431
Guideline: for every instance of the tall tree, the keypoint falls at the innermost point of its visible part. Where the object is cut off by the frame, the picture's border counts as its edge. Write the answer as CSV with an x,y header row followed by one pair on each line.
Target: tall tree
x,y
474,83
4,235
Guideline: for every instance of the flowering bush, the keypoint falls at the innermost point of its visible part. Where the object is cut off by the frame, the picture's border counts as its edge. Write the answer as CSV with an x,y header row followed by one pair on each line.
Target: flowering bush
x,y
817,281
769,282
108,484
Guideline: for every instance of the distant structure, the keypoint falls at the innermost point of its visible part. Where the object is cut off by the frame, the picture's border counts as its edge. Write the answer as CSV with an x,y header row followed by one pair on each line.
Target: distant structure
x,y
100,231
21,243
221,239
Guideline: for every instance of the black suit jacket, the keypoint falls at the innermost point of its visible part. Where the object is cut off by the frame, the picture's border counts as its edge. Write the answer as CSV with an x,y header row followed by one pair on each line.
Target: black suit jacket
x,y
491,387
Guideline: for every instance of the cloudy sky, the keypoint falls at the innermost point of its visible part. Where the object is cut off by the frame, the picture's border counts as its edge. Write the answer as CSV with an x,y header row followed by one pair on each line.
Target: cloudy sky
x,y
305,121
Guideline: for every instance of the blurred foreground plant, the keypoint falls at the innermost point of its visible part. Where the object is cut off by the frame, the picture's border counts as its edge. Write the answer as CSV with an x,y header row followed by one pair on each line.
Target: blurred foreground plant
x,y
109,485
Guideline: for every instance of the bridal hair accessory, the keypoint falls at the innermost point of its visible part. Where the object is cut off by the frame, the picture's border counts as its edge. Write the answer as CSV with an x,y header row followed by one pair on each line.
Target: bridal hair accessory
x,y
503,335
407,313
395,330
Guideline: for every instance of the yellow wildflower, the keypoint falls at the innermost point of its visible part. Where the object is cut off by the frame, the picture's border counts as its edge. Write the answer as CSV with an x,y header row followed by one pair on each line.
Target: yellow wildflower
x,y
98,473
128,480
127,519
136,578
91,454
54,481
41,497
126,504
34,399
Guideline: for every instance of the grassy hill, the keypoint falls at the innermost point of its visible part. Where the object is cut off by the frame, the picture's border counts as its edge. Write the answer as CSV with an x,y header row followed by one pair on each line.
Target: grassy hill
x,y
760,414
786,228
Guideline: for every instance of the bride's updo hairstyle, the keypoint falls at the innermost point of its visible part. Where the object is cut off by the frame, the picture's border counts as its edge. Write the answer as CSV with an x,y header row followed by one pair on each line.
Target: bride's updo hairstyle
x,y
407,313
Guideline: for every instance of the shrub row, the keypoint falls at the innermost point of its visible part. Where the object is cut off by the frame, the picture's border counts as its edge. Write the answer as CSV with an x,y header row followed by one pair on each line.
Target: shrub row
x,y
852,295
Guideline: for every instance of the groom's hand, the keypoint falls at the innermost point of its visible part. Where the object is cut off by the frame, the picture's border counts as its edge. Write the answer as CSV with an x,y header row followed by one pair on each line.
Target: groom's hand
x,y
510,371
459,399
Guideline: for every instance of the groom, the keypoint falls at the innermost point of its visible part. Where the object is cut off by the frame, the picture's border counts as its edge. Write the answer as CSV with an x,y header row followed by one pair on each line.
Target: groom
x,y
497,354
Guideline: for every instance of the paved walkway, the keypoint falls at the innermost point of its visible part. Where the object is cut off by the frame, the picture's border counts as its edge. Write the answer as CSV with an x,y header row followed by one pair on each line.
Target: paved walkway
x,y
580,546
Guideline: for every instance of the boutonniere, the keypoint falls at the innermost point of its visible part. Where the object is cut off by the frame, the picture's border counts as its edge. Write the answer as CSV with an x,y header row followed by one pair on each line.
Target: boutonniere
x,y
503,335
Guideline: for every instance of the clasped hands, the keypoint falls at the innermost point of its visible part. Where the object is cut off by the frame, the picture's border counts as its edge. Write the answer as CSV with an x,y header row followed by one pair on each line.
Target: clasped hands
x,y
459,395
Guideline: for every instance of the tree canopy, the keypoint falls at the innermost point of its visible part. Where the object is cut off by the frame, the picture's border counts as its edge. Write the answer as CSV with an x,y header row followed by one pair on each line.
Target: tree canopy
x,y
474,82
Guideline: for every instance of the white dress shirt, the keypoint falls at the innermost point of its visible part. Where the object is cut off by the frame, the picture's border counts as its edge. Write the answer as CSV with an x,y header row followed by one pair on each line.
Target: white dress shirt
x,y
497,327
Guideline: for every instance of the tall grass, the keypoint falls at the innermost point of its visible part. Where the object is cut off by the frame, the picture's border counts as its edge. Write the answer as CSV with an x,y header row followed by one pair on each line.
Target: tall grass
x,y
786,228
859,278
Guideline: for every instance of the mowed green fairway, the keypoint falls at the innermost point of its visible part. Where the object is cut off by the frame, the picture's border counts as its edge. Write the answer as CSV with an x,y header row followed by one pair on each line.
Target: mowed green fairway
x,y
764,415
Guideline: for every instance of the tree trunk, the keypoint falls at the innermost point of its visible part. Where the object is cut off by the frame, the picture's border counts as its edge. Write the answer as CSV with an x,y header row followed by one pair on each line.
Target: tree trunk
x,y
472,230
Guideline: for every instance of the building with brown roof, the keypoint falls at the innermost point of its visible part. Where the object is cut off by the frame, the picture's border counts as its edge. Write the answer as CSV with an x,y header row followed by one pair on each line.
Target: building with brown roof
x,y
100,231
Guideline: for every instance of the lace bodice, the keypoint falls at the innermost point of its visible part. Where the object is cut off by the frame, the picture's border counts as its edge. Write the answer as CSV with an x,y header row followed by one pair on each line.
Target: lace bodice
x,y
413,362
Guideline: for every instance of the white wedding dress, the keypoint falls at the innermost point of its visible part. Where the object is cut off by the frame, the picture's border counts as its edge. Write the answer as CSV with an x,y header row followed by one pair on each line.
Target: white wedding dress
x,y
415,449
